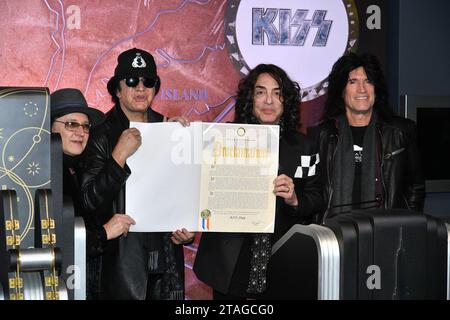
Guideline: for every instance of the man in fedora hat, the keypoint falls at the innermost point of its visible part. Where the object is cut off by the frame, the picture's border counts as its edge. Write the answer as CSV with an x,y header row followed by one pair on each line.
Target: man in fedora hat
x,y
141,265
72,119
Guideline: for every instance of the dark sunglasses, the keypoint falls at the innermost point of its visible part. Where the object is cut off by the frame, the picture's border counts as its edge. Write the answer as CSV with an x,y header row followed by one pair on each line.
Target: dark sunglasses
x,y
73,125
134,81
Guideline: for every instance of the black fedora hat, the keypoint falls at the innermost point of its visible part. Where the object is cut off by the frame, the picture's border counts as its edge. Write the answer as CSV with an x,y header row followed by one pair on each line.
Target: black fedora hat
x,y
133,63
70,100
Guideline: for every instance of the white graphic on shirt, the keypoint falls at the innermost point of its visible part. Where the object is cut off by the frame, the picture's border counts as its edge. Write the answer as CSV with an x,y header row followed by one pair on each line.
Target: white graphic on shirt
x,y
358,153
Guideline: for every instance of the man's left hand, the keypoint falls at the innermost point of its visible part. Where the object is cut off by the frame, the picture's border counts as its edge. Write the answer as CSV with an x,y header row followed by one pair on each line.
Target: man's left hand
x,y
284,187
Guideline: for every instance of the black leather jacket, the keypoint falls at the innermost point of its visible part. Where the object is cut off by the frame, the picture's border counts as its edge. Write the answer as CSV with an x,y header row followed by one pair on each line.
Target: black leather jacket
x,y
402,180
125,263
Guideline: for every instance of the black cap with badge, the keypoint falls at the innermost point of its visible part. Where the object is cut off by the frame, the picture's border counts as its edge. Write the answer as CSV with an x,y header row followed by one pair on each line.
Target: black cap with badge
x,y
134,63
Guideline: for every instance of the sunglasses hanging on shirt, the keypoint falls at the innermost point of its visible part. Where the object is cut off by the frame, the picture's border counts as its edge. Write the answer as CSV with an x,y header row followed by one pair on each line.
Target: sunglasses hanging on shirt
x,y
133,82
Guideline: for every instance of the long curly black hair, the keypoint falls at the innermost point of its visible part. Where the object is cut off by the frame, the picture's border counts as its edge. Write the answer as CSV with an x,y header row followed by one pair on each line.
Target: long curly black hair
x,y
337,81
290,91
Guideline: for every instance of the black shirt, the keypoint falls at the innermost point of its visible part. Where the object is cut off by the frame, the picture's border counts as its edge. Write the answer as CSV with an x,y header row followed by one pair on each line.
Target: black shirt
x,y
358,142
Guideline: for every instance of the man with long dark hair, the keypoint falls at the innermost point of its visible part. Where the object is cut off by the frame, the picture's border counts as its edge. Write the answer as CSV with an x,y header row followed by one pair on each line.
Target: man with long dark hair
x,y
369,156
236,265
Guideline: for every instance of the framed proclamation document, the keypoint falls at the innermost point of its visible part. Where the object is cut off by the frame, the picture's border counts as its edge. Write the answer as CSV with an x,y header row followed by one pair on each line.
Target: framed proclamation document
x,y
239,165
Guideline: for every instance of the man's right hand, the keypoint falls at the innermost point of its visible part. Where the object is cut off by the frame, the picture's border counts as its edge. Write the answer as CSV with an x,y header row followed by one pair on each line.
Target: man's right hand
x,y
129,141
116,226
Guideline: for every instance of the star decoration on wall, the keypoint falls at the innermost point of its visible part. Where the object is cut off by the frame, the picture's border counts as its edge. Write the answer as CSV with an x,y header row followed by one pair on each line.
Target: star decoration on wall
x,y
33,168
31,109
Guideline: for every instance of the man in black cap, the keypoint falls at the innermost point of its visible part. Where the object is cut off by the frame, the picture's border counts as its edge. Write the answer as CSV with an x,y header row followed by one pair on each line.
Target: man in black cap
x,y
73,119
141,265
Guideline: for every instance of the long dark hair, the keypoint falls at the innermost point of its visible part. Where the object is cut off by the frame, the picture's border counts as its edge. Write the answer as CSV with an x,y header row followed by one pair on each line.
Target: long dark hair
x,y
290,91
337,81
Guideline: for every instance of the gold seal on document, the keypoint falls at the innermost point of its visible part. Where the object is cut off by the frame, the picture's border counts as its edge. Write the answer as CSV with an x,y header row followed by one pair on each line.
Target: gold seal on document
x,y
205,214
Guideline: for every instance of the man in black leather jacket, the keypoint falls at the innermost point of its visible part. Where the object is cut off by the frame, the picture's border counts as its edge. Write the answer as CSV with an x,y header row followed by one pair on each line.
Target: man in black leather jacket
x,y
141,265
369,156
237,265
72,118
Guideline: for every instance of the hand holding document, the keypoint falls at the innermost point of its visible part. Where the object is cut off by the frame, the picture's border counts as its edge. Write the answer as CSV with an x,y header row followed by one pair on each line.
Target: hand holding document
x,y
206,177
